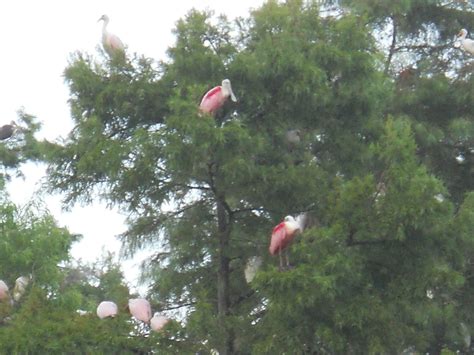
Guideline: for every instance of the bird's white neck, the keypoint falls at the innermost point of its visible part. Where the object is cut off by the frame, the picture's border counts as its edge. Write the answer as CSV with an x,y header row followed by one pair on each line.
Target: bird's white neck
x,y
104,26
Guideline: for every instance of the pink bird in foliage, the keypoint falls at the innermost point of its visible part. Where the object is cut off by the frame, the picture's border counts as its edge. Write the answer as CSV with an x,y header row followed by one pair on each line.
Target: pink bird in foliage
x,y
284,233
107,309
158,322
216,97
4,294
140,308
111,43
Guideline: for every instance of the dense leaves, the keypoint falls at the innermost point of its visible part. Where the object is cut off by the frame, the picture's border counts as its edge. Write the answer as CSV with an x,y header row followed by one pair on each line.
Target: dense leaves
x,y
384,170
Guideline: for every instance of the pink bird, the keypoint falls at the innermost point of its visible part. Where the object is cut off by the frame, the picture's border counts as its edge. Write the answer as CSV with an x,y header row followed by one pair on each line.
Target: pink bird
x,y
140,308
107,309
4,294
111,43
216,97
158,322
284,233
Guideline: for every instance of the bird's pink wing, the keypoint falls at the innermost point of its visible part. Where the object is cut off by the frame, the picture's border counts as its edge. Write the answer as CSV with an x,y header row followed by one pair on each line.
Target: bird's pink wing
x,y
278,238
158,322
106,309
115,43
212,100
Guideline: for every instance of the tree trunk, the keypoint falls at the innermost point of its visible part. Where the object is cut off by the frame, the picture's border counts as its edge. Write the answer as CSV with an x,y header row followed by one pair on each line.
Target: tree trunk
x,y
223,296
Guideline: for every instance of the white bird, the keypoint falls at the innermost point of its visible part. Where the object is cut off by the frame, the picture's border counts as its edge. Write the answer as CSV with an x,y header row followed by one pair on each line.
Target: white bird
x,y
81,312
466,44
4,294
251,268
107,309
158,322
111,43
140,308
20,287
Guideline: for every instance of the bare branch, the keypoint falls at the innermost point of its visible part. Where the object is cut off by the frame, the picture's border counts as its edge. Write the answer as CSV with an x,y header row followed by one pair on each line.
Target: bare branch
x,y
392,45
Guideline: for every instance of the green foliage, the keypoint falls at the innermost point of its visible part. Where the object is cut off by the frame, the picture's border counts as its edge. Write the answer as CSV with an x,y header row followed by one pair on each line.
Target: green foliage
x,y
384,265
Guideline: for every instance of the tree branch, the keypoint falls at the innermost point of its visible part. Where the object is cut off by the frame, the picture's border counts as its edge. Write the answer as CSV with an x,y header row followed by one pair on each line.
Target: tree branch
x,y
352,242
178,306
392,46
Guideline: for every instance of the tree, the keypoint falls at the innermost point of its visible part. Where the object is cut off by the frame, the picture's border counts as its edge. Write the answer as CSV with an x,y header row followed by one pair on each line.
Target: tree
x,y
204,192
45,318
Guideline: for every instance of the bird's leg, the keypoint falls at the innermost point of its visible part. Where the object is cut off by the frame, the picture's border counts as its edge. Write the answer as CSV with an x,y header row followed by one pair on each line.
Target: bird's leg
x,y
281,260
288,266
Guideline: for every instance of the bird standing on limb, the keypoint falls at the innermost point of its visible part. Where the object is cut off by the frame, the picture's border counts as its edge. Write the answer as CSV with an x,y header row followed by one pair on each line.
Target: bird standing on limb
x,y
284,233
112,44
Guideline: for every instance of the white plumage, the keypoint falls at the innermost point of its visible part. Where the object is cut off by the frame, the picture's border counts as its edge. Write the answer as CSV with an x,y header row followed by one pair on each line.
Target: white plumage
x,y
253,265
107,309
111,43
20,287
466,44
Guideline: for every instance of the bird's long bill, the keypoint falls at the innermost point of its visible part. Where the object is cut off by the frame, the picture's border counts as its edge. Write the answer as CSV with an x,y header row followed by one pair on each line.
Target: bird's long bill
x,y
232,96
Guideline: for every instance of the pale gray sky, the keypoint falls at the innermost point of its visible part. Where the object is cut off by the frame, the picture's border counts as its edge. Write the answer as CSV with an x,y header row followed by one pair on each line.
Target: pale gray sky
x,y
37,39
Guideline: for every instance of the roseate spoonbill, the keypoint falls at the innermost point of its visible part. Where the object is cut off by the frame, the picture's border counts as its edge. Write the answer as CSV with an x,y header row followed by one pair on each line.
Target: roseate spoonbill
x,y
20,287
158,322
6,131
4,294
111,43
215,98
284,233
107,309
140,308
466,44
253,264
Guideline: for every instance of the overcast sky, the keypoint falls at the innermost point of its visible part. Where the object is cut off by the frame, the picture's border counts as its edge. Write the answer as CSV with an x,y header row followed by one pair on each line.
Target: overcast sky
x,y
37,40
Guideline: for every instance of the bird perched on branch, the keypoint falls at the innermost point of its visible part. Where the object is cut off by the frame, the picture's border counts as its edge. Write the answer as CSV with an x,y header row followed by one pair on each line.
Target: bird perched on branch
x,y
140,308
107,309
466,44
20,287
215,98
158,322
284,233
112,44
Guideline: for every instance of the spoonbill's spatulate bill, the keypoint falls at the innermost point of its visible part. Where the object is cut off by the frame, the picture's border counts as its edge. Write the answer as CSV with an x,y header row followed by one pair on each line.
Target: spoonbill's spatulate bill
x,y
107,309
284,233
215,98
158,322
111,43
140,308
466,44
